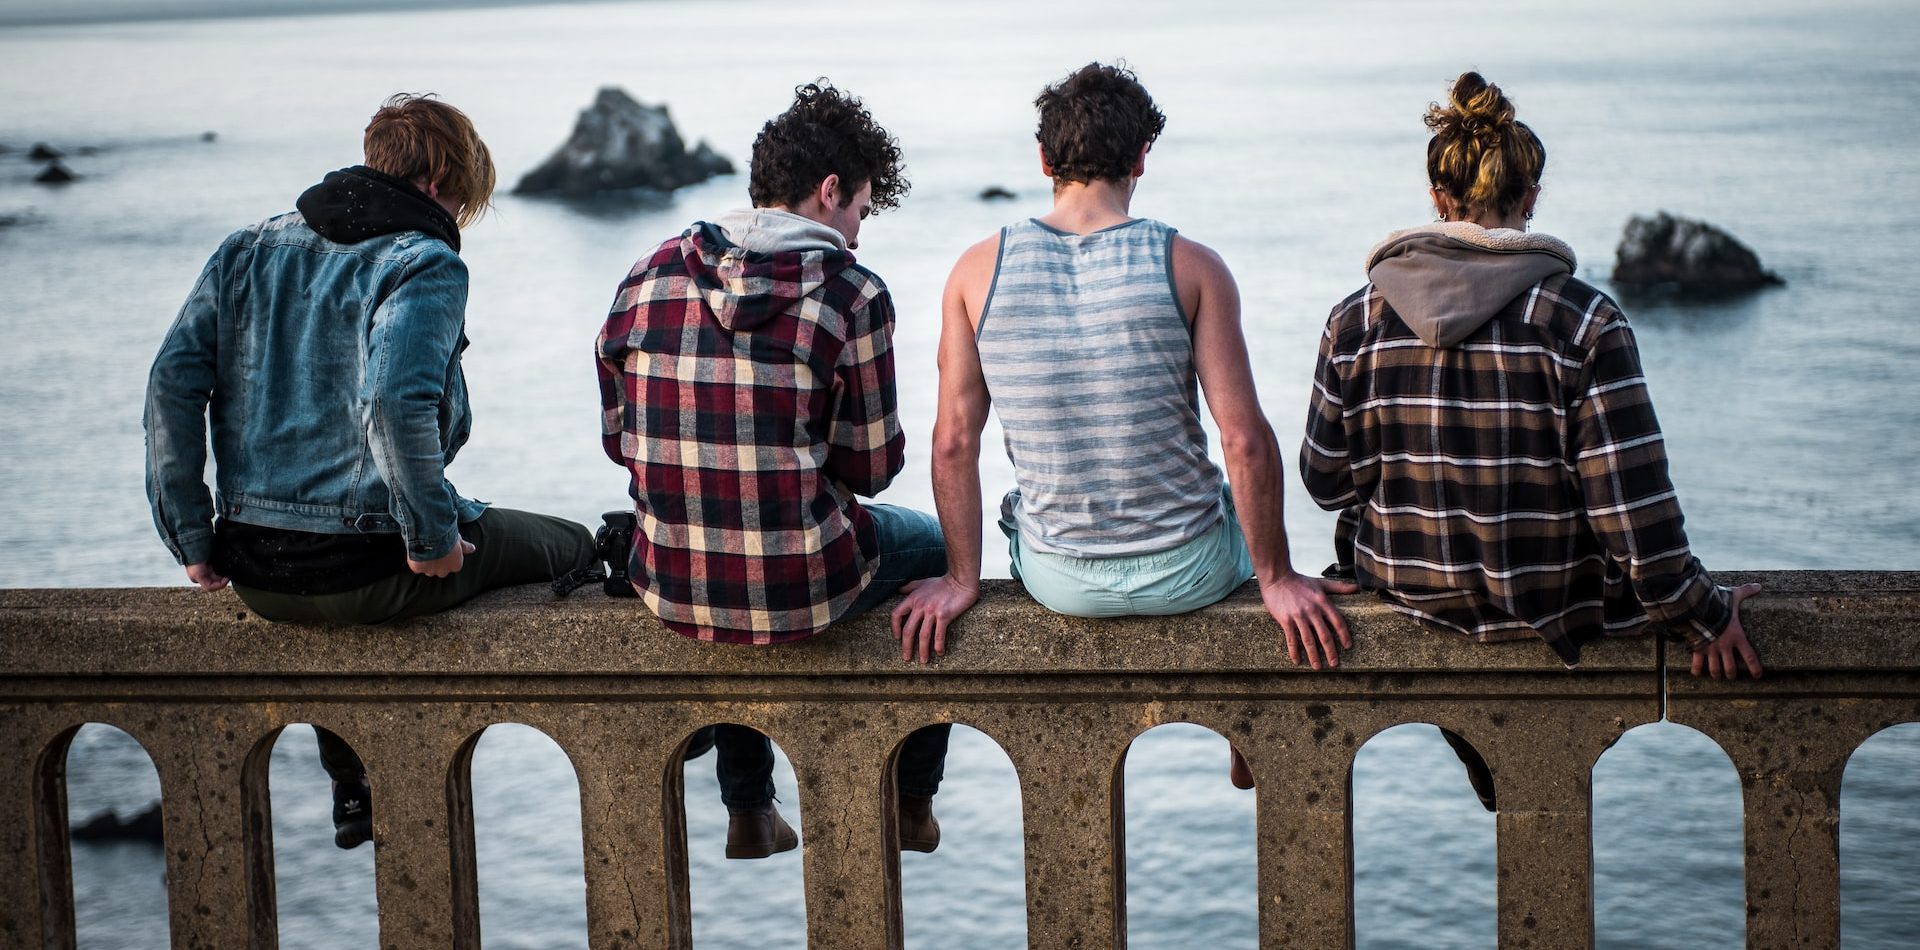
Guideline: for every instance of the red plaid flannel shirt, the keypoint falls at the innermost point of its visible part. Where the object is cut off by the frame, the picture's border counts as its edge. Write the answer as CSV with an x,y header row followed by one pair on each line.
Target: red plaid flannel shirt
x,y
751,397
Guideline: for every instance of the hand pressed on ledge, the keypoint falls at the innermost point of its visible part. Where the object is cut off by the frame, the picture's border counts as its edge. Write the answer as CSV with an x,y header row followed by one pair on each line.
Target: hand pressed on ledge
x,y
920,619
1308,620
205,577
1718,659
449,563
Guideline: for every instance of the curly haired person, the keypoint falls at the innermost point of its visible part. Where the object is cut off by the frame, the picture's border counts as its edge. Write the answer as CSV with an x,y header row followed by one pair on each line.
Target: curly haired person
x,y
747,384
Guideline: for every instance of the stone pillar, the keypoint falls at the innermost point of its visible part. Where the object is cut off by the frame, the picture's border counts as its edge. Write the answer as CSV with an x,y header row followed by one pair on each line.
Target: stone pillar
x,y
839,758
1306,833
632,823
1068,758
422,826
212,762
36,867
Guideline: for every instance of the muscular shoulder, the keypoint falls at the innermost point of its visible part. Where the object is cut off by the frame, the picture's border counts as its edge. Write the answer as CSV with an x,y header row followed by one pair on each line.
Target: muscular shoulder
x,y
972,274
1198,271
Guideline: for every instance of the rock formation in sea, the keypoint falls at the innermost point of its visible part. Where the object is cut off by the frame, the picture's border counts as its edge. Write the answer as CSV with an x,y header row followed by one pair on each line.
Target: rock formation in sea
x,y
1665,252
107,826
42,152
619,143
995,193
55,174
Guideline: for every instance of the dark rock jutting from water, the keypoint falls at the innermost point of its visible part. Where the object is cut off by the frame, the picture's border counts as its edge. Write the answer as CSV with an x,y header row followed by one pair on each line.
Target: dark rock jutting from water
x,y
107,826
42,152
619,143
996,193
55,174
1671,253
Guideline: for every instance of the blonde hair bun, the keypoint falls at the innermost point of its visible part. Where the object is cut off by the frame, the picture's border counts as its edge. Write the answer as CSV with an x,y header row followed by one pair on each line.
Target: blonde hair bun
x,y
1480,154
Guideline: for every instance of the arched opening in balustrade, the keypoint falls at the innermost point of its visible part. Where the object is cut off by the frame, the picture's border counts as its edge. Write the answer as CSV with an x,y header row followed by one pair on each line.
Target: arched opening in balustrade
x,y
1668,832
759,903
1192,860
1424,847
112,794
1879,822
971,890
324,894
526,834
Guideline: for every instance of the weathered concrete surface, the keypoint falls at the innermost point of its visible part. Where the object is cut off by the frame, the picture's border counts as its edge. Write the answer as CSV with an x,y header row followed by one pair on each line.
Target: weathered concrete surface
x,y
206,687
1849,668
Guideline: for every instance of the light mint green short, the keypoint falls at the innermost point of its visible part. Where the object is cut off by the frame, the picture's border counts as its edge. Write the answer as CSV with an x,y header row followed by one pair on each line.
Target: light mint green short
x,y
1185,578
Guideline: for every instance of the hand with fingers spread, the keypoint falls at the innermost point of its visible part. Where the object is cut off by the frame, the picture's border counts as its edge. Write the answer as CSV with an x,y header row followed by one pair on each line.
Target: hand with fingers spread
x,y
1312,626
921,618
1723,658
449,563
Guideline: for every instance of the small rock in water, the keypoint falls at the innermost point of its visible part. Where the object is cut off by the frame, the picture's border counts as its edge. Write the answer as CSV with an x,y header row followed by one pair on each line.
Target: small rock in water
x,y
208,136
55,174
42,152
619,144
1673,253
107,826
996,193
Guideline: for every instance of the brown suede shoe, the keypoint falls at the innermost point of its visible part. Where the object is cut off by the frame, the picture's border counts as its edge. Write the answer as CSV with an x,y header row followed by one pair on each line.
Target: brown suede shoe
x,y
919,830
759,832
1238,771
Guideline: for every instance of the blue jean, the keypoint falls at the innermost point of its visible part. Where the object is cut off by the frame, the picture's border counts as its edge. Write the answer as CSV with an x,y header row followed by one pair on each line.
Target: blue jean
x,y
912,548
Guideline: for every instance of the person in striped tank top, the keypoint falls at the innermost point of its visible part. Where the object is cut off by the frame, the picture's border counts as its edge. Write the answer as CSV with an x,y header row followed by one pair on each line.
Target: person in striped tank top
x,y
1095,333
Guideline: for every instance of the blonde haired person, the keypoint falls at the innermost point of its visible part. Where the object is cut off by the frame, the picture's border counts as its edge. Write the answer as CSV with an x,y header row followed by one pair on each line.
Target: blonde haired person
x,y
1480,420
323,347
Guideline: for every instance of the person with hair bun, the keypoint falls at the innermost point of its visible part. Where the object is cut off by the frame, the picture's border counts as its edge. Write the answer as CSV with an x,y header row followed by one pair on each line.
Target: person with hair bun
x,y
1479,419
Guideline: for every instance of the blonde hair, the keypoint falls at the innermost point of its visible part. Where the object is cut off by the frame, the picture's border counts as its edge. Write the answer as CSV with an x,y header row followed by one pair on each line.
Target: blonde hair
x,y
1480,156
416,136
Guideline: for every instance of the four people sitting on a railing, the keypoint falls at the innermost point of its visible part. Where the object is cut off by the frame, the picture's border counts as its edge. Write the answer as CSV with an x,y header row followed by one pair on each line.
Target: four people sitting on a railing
x,y
1478,416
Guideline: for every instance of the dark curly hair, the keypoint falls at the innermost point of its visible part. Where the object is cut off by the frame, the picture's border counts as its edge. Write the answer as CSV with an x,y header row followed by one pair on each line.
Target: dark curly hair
x,y
825,132
1094,123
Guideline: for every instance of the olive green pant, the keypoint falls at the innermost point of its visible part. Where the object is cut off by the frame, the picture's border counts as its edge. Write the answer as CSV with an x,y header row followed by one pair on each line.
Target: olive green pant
x,y
509,547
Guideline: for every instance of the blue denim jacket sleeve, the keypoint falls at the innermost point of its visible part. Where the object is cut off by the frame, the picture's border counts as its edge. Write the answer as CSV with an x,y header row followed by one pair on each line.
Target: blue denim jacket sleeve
x,y
414,340
178,389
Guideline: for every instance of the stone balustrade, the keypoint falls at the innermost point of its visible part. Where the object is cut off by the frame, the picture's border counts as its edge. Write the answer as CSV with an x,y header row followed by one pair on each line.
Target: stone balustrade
x,y
206,687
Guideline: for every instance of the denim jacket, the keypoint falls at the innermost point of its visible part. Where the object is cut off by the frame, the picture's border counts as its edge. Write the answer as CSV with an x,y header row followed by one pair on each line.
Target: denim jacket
x,y
331,376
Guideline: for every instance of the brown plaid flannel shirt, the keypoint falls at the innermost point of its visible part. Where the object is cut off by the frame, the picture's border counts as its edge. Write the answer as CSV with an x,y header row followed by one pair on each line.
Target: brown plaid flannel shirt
x,y
1510,486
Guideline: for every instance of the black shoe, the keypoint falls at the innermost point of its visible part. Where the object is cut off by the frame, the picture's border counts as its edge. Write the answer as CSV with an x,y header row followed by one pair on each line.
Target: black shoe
x,y
1478,775
352,813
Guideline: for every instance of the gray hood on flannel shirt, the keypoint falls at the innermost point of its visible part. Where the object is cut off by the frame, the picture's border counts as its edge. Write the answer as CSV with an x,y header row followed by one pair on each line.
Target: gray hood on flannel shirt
x,y
1446,280
752,265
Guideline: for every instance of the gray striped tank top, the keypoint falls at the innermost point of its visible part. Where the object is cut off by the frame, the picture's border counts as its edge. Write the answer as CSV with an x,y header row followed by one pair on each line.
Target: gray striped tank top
x,y
1088,358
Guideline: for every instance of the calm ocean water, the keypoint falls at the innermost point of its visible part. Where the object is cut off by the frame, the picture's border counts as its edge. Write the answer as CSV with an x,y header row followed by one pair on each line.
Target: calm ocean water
x,y
1294,142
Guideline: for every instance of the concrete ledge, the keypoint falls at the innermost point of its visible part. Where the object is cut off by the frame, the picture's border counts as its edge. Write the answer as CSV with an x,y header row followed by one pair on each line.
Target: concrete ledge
x,y
205,687
1833,620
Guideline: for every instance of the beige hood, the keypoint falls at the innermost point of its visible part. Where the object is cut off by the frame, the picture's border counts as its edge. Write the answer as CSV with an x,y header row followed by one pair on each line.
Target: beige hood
x,y
1448,279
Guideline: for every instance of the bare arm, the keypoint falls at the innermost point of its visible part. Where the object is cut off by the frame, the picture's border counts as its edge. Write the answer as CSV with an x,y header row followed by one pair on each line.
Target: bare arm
x,y
1312,627
920,620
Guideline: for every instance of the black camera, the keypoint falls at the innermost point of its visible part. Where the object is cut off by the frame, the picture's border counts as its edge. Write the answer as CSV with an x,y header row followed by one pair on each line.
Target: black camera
x,y
613,543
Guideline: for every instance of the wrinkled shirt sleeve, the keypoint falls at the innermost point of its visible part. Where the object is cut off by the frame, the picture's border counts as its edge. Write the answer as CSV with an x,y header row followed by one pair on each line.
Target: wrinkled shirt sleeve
x,y
865,447
410,349
1620,463
179,387
1324,463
